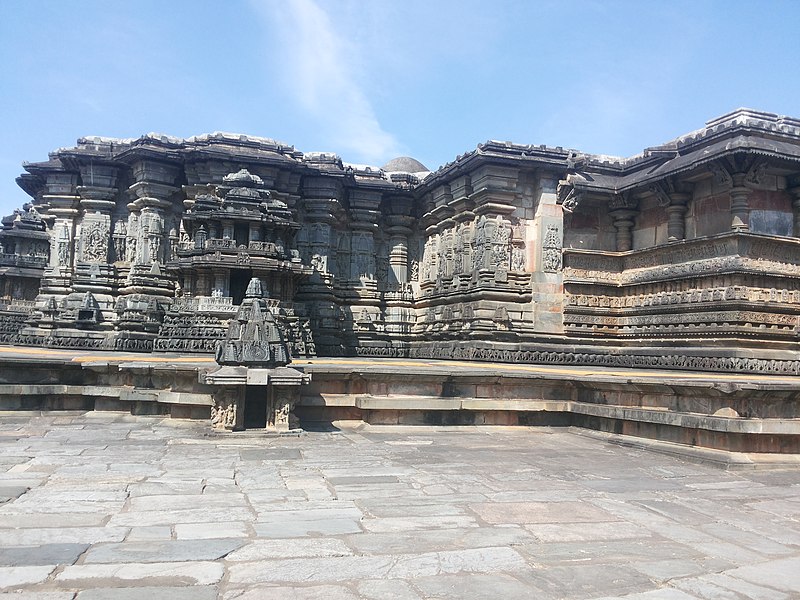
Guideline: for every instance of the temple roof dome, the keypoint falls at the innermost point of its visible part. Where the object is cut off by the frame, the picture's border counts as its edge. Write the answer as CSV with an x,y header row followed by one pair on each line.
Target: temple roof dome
x,y
405,164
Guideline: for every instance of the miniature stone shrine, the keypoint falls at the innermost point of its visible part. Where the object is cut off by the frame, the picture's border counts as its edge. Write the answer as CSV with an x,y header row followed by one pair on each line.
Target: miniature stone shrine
x,y
254,387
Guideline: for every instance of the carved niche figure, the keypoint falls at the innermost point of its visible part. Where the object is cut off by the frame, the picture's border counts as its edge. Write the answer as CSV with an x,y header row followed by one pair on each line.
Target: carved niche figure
x,y
223,414
551,250
63,247
118,236
500,241
95,242
518,259
343,256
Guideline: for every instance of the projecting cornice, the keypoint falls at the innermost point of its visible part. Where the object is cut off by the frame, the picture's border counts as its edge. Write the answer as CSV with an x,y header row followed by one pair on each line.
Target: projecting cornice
x,y
743,131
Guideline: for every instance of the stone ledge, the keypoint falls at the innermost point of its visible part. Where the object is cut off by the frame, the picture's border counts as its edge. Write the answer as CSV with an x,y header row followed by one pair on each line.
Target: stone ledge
x,y
658,416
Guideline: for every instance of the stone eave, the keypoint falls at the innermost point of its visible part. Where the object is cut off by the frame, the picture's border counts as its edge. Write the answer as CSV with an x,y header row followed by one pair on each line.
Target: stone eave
x,y
688,163
238,141
500,153
30,183
138,152
36,234
250,157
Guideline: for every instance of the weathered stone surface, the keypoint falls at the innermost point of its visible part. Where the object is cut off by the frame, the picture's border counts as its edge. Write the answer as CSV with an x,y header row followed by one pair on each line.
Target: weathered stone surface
x,y
159,573
28,595
432,540
68,535
587,581
329,592
472,586
379,589
390,567
136,593
705,536
25,575
306,527
46,554
289,548
204,531
161,551
540,512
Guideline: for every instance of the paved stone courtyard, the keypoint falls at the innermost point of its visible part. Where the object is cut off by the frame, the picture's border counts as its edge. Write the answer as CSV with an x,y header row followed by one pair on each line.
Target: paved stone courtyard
x,y
104,505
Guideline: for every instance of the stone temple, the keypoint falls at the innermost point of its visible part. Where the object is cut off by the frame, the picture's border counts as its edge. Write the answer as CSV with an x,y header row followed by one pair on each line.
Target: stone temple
x,y
684,257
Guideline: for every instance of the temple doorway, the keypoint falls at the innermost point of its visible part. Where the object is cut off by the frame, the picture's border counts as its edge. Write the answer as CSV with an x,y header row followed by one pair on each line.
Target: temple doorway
x,y
239,280
255,407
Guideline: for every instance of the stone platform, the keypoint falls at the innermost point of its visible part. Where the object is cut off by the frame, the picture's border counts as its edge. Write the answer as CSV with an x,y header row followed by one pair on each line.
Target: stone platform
x,y
100,506
736,419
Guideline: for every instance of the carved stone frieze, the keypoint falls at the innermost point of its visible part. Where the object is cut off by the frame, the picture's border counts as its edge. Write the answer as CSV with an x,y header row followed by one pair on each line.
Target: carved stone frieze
x,y
359,260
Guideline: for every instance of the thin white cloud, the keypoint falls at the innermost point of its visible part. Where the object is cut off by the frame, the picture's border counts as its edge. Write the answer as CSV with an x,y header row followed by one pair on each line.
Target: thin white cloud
x,y
319,65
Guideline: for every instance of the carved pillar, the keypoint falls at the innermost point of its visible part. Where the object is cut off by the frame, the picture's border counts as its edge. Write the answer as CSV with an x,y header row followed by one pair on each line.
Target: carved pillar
x,y
623,210
364,215
398,258
740,203
399,230
202,287
795,192
255,232
676,214
623,222
227,230
220,284
63,201
188,284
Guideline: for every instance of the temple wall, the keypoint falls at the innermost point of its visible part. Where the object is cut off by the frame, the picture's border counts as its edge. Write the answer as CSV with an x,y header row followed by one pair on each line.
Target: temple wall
x,y
771,212
509,253
651,225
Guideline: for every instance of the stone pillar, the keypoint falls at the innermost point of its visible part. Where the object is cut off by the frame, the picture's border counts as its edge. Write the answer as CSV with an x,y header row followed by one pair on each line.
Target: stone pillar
x,y
795,192
676,214
399,230
201,289
740,203
623,222
188,284
255,232
220,284
398,259
227,230
62,201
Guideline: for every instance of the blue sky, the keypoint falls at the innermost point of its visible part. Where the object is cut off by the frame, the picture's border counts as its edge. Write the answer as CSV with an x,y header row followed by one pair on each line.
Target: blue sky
x,y
371,80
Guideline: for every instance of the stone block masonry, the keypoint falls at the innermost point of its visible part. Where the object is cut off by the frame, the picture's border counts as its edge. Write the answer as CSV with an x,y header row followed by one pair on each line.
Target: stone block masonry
x,y
99,506
683,257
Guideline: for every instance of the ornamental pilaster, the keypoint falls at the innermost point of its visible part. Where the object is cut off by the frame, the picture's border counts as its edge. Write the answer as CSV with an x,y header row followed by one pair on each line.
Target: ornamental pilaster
x,y
794,190
740,203
676,215
623,211
98,199
398,222
624,221
364,217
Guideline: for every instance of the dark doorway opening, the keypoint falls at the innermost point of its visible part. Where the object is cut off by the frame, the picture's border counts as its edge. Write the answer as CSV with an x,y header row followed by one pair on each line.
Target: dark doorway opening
x,y
239,280
255,407
241,232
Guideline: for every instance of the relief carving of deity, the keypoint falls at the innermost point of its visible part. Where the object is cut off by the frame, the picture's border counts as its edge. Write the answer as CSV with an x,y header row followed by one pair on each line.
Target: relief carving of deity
x,y
551,250
95,243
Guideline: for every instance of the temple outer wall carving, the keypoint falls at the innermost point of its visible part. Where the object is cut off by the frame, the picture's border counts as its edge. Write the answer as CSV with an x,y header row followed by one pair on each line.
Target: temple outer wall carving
x,y
511,253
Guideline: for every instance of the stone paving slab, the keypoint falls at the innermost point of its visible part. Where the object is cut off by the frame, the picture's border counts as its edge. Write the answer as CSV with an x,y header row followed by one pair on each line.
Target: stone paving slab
x,y
106,505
